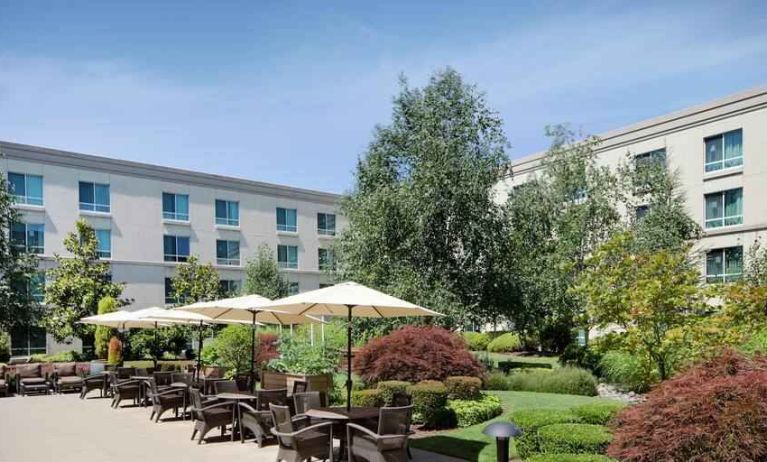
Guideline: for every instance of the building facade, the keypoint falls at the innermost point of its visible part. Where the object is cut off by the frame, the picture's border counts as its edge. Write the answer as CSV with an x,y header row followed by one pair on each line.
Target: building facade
x,y
149,219
719,151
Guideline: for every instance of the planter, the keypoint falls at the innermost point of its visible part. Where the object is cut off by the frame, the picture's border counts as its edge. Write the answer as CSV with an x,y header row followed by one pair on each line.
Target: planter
x,y
273,380
322,383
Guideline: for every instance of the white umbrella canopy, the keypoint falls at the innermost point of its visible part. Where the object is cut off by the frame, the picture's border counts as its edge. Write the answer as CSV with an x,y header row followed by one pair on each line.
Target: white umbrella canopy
x,y
122,319
242,309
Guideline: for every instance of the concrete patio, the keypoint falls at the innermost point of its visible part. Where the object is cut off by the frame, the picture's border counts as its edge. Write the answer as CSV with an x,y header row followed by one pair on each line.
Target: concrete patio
x,y
63,428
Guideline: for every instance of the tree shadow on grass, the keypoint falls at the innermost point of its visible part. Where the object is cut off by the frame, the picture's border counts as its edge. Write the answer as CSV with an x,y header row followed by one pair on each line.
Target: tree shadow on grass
x,y
451,446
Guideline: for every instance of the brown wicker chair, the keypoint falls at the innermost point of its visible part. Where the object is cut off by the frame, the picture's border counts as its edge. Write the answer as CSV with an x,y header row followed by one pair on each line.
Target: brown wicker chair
x,y
164,400
226,386
29,377
65,377
182,377
389,444
209,416
124,389
298,444
162,379
3,380
307,400
300,386
98,382
258,419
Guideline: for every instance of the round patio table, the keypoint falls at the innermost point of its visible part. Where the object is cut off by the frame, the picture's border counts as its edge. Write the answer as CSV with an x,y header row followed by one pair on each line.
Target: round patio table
x,y
143,382
236,412
182,386
340,416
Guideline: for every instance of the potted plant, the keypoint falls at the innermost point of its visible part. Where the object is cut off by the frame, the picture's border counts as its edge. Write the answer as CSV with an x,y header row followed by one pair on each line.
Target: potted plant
x,y
303,361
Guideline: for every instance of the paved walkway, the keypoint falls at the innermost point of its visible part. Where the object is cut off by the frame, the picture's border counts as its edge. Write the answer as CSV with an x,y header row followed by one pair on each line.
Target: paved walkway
x,y
63,428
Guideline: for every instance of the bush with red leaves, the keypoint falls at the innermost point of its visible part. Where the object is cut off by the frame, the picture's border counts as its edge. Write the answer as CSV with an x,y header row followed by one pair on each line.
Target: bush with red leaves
x,y
267,348
413,354
715,411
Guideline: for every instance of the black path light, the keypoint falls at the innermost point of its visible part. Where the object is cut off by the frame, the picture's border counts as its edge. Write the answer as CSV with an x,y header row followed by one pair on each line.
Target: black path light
x,y
502,432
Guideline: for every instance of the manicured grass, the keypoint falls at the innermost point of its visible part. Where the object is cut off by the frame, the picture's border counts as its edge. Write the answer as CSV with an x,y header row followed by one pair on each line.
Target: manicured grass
x,y
469,443
553,360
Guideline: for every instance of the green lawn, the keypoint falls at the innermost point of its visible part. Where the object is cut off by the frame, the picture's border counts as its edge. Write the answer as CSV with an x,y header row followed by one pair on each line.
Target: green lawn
x,y
470,444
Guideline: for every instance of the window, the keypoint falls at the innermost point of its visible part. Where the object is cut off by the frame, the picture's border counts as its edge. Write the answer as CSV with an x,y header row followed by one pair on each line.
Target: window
x,y
326,224
286,220
650,159
230,287
28,340
28,237
327,259
169,295
94,197
227,213
287,256
228,252
724,208
724,265
104,238
176,248
37,286
293,288
26,189
175,206
724,151
640,211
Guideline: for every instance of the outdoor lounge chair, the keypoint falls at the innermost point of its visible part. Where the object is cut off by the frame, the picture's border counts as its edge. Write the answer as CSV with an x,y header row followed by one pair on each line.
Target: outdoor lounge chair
x,y
124,389
182,377
164,400
3,381
29,377
208,416
299,444
307,400
258,419
65,377
95,382
389,444
226,386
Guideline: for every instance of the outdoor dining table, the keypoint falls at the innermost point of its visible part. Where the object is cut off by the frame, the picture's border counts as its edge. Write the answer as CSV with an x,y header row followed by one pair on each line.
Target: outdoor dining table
x,y
182,386
236,412
340,416
143,382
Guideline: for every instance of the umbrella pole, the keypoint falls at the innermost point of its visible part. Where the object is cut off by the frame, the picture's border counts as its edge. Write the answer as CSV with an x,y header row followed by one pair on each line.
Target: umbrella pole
x,y
253,351
349,359
199,352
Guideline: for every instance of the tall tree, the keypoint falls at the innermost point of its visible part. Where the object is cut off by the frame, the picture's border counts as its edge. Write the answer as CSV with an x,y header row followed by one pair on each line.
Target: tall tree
x,y
195,282
263,277
422,221
77,284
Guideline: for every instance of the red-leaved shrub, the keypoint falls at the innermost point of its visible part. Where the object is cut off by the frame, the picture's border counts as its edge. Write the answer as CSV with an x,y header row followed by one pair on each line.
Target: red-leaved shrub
x,y
267,348
715,411
413,354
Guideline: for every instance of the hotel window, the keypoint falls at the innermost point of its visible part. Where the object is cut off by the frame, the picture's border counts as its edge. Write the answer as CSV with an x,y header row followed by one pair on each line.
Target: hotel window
x,y
724,265
287,256
26,189
37,286
175,206
640,211
724,208
724,150
230,287
293,288
650,159
327,259
176,248
94,197
169,294
28,237
227,213
28,340
326,224
286,220
228,252
104,238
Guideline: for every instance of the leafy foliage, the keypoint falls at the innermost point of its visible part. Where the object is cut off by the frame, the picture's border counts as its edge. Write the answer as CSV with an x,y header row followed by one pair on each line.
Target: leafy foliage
x,y
77,283
505,343
508,366
470,412
371,397
232,346
574,438
569,458
194,282
416,353
581,356
263,277
304,358
628,371
103,333
600,413
714,411
463,388
497,381
566,380
530,420
430,405
477,341
171,340
389,388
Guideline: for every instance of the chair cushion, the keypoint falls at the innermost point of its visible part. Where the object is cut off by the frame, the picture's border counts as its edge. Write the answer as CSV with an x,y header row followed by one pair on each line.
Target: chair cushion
x,y
32,381
369,444
2,383
69,380
25,371
65,369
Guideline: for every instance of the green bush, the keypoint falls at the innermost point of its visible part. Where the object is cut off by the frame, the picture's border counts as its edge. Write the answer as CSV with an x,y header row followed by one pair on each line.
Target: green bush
x,y
430,404
581,356
367,398
304,358
389,388
60,357
600,413
530,420
566,380
757,343
5,347
477,341
569,458
508,366
461,387
505,343
627,371
102,334
574,438
497,381
473,411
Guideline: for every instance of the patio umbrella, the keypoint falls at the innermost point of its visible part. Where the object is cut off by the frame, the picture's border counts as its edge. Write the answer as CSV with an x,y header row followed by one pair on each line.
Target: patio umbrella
x,y
349,299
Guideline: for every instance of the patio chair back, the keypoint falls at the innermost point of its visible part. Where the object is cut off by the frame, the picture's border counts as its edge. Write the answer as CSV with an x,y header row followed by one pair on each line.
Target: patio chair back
x,y
125,372
226,386
183,377
213,372
299,386
394,420
281,418
307,400
141,371
267,397
65,369
162,378
196,398
29,371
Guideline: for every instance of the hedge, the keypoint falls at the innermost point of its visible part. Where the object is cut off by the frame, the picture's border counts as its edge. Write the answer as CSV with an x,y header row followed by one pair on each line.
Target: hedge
x,y
530,420
574,438
569,458
505,343
598,413
473,411
430,405
497,381
389,388
477,341
462,387
368,398
507,366
565,380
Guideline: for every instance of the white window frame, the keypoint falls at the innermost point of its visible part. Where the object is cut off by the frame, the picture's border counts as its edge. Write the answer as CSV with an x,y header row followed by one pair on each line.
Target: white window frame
x,y
286,227
724,217
723,160
94,207
227,261
175,258
723,278
326,231
176,216
26,199
287,264
226,221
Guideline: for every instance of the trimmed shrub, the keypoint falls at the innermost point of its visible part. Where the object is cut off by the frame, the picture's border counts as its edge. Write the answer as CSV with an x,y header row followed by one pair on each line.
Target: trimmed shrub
x,y
430,405
505,343
574,438
566,380
508,366
716,410
389,388
627,371
569,458
581,356
530,420
368,398
477,341
598,413
60,357
473,411
415,353
497,381
462,387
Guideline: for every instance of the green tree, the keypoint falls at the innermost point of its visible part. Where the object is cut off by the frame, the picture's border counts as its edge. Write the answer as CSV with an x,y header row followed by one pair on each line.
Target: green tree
x,y
263,277
77,284
195,282
422,223
103,333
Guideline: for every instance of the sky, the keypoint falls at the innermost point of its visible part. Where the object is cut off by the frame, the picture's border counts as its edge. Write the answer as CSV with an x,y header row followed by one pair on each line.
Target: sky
x,y
290,92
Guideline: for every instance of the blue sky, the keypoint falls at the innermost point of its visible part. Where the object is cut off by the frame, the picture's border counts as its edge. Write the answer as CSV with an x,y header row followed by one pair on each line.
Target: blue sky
x,y
289,92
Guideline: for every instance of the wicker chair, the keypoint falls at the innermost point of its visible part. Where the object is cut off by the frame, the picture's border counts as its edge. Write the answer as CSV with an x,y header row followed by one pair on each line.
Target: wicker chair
x,y
162,379
307,400
299,386
389,444
3,381
65,377
209,416
258,419
297,443
124,389
164,400
226,386
30,377
182,377
125,373
95,382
